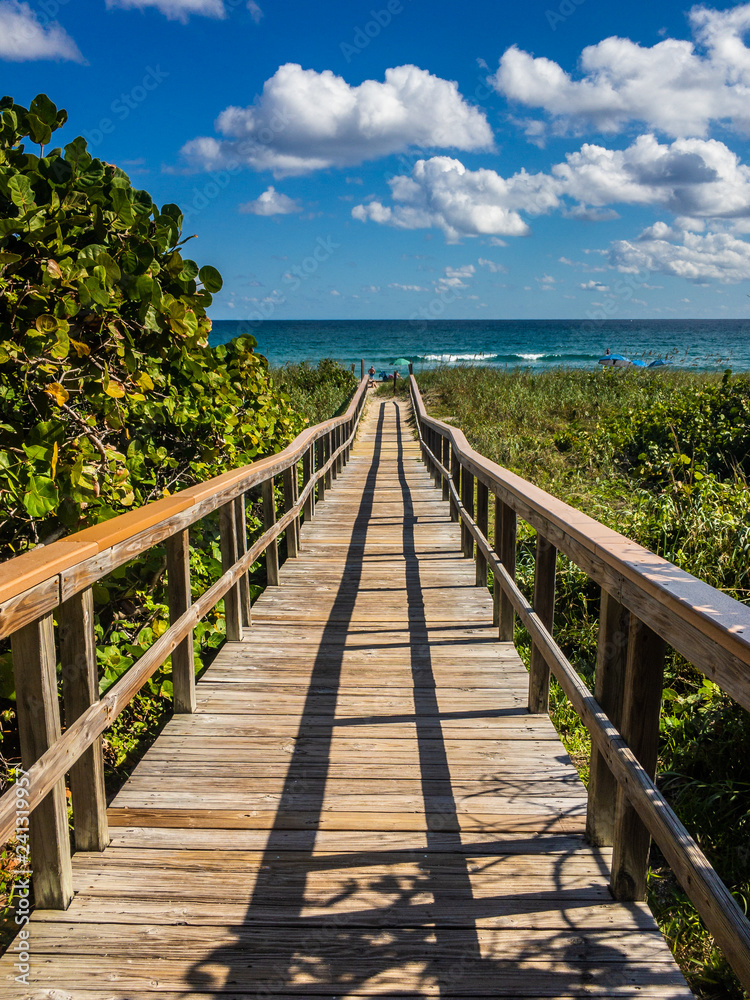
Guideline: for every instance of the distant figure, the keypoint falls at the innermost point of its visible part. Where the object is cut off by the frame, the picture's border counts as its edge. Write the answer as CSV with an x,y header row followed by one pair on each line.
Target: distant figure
x,y
371,373
607,351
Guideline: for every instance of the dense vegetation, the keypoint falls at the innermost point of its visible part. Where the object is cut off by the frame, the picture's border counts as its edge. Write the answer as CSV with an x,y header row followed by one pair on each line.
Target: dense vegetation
x,y
111,397
662,457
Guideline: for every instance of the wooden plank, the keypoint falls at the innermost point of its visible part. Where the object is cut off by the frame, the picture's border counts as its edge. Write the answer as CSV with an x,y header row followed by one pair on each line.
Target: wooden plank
x,y
38,711
179,598
643,682
544,606
229,556
80,681
609,688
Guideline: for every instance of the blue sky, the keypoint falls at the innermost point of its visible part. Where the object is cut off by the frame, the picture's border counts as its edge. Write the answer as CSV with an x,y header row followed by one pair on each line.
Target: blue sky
x,y
562,158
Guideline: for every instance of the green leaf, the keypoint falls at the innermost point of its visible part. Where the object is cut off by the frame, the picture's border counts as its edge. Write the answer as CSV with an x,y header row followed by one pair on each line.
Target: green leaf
x,y
39,131
9,258
41,496
212,280
44,110
21,192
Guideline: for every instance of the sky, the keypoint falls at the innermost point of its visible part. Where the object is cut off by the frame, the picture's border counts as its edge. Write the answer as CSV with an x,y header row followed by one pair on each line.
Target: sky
x,y
401,158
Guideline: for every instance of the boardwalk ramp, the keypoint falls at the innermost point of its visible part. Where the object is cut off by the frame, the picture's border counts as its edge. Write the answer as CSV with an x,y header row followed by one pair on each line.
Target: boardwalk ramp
x,y
361,803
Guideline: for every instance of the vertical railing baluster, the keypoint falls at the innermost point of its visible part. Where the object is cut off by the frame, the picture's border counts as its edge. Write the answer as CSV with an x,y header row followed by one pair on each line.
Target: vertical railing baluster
x,y
505,546
229,556
544,606
609,684
446,459
456,477
80,680
327,452
467,499
289,477
641,708
308,464
240,515
483,520
269,519
38,712
320,455
179,598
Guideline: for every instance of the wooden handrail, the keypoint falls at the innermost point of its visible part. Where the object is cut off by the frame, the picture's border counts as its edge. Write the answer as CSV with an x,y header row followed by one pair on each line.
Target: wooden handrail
x,y
59,577
37,581
710,629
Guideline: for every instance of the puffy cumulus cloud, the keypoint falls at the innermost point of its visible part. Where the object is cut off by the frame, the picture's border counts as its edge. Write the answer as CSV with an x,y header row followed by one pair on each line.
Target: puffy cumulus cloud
x,y
442,193
696,179
698,257
677,87
690,177
305,121
23,36
406,288
593,286
271,202
175,10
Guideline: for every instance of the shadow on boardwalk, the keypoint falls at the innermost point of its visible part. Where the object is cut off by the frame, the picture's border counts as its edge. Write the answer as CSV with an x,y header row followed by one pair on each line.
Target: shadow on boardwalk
x,y
420,937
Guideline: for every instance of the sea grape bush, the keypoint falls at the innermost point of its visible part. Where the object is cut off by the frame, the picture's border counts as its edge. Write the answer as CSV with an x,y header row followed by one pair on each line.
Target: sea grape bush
x,y
109,393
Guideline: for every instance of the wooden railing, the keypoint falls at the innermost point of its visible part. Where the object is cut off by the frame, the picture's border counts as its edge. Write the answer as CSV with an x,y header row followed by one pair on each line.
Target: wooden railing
x,y
55,582
646,603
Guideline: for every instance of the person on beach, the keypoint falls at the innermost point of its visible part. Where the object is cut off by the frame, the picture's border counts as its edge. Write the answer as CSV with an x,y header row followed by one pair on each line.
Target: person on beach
x,y
371,373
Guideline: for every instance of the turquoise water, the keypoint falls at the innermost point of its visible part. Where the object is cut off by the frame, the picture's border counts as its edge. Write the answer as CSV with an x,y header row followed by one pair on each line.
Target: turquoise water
x,y
539,344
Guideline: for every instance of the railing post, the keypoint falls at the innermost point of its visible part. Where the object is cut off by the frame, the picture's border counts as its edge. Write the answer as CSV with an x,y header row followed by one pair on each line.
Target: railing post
x,y
456,477
339,443
544,606
644,678
179,598
362,368
269,519
38,710
290,482
229,556
320,454
446,458
483,520
467,499
80,679
609,683
327,452
240,516
505,546
308,463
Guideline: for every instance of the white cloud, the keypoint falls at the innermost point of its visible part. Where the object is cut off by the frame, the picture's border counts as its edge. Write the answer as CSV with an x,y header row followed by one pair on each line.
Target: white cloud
x,y
255,12
676,86
23,36
593,286
271,202
175,10
696,179
407,288
305,121
491,265
335,291
697,257
442,193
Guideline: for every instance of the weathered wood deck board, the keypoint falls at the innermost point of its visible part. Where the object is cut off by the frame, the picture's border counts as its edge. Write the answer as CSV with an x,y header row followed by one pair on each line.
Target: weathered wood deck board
x,y
361,805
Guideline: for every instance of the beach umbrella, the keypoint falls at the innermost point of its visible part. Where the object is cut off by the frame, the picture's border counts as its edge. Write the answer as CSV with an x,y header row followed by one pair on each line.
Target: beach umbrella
x,y
615,360
660,362
639,364
401,363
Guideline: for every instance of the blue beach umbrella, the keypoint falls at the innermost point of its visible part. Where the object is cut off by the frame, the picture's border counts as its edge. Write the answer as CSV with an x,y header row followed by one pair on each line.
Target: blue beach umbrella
x,y
615,360
659,363
639,364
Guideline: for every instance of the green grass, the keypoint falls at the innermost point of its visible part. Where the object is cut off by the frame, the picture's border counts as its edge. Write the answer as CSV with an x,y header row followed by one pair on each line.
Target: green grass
x,y
662,457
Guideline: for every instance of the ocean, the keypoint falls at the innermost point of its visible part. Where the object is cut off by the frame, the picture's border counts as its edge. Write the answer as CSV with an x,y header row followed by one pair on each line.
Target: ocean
x,y
705,345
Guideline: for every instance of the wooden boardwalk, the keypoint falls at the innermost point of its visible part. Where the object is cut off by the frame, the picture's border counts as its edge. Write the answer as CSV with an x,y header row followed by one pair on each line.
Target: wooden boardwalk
x,y
361,804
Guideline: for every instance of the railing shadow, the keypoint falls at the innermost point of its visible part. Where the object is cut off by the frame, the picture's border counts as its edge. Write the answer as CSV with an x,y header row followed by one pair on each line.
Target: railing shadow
x,y
426,931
